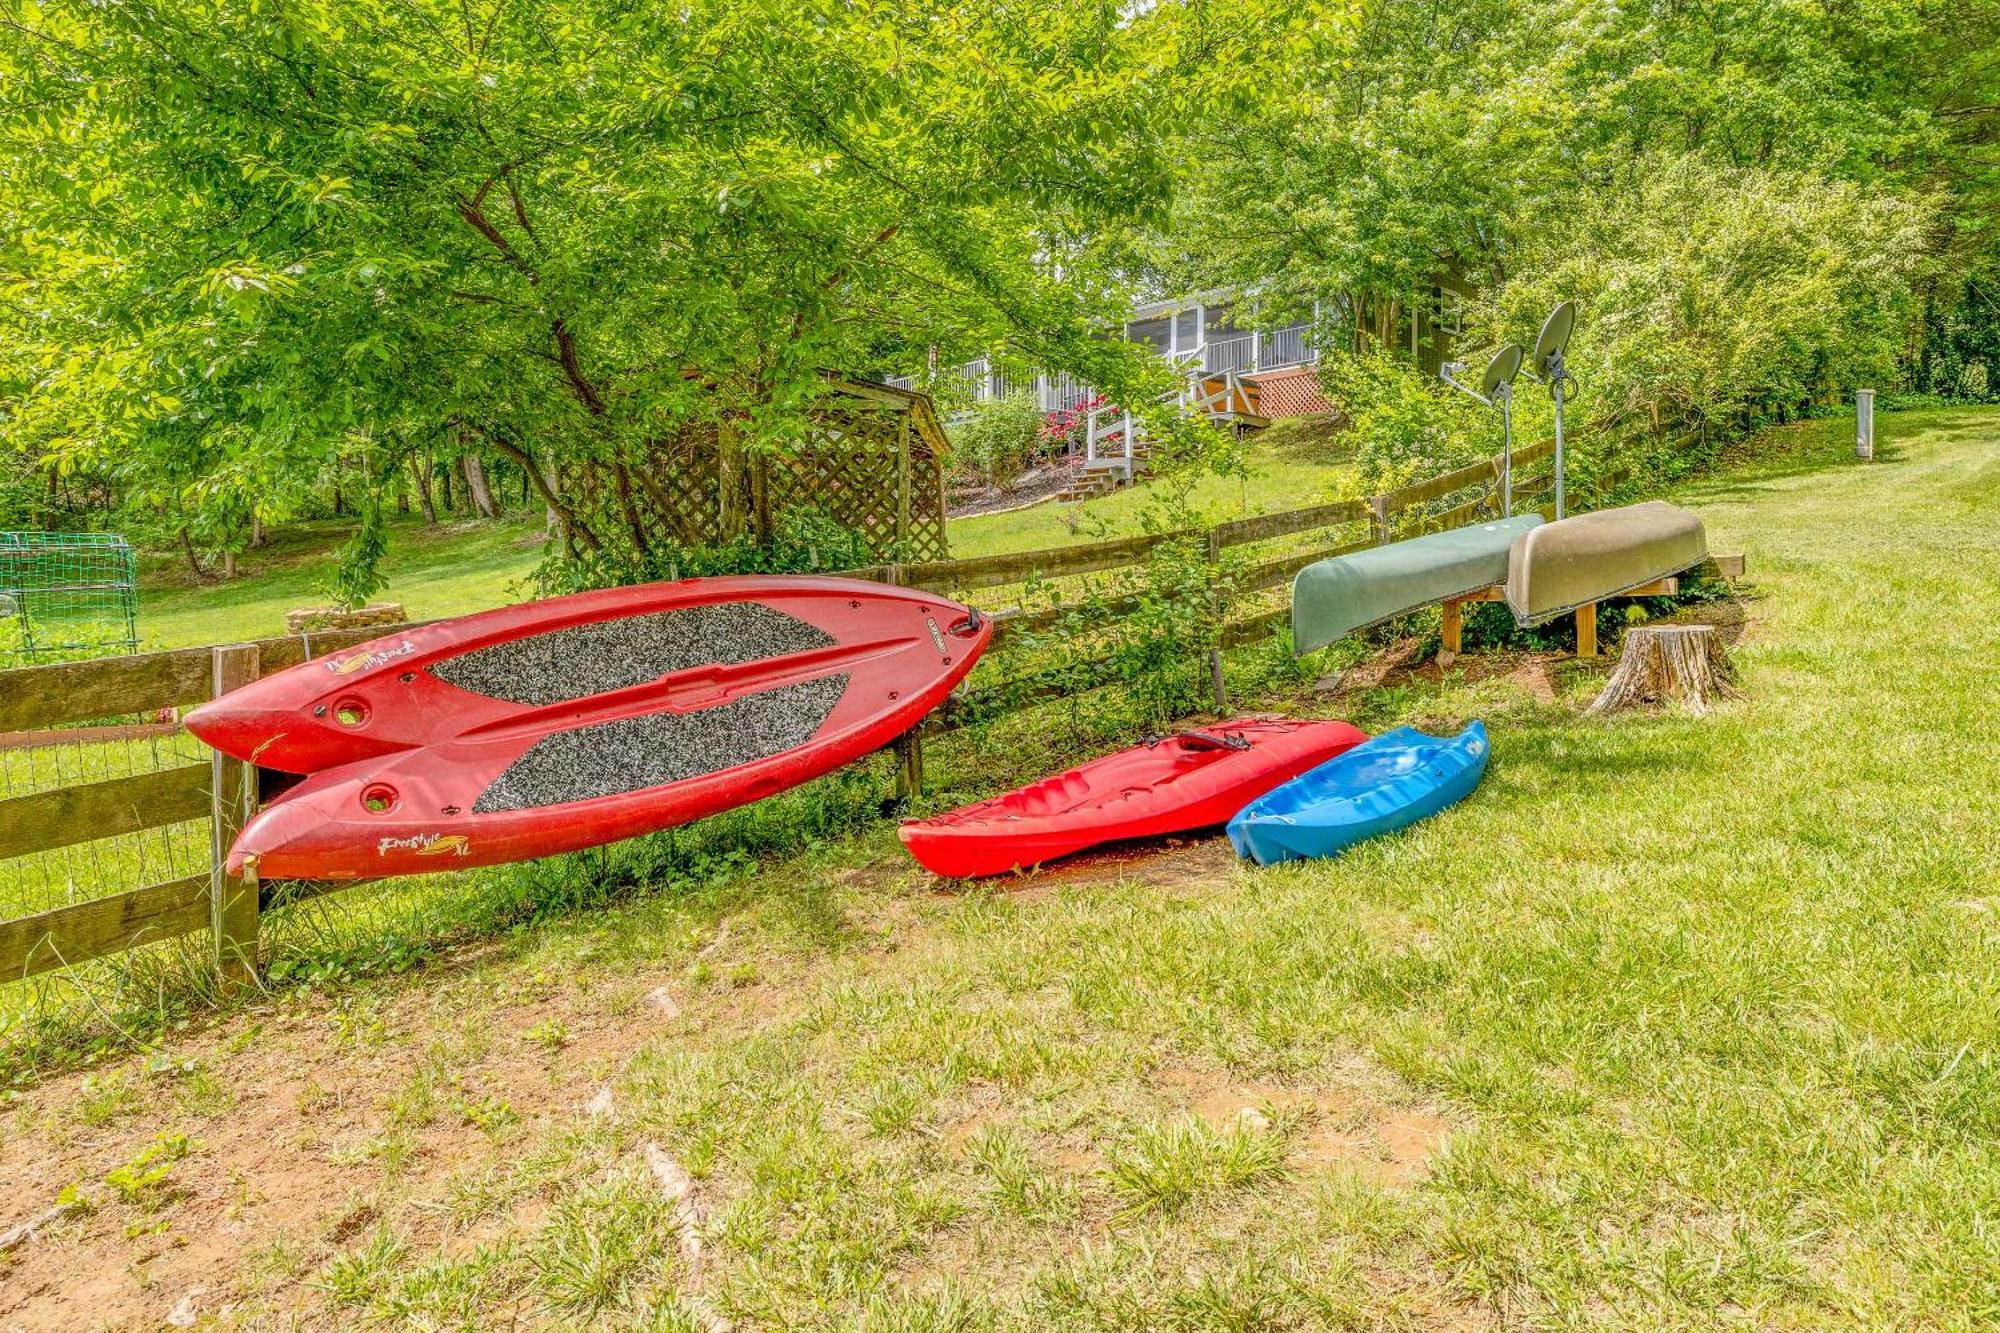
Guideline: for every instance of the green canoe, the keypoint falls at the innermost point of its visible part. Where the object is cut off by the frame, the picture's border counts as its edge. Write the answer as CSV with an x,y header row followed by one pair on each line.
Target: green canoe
x,y
1575,561
1336,597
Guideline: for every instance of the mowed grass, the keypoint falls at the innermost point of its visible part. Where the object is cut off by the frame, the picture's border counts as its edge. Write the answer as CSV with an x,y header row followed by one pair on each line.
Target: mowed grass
x,y
1677,1023
446,570
458,567
1300,466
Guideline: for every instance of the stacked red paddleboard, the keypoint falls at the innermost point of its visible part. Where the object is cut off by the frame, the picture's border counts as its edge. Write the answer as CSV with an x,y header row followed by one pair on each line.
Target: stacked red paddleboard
x,y
1194,780
580,720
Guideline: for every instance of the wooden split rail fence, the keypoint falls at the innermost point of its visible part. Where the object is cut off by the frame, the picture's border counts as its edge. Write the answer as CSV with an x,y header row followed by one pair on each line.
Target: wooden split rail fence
x,y
223,791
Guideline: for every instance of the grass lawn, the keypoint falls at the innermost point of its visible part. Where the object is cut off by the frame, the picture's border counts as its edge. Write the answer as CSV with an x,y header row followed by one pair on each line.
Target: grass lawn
x,y
437,571
1292,471
1676,1023
470,566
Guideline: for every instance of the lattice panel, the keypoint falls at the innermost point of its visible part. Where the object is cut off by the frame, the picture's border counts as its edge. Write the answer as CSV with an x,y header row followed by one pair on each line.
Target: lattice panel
x,y
847,469
685,480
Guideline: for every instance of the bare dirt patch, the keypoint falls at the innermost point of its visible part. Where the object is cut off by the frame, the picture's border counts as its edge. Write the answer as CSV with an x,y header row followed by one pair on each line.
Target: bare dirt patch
x,y
1187,861
334,1119
1031,487
1332,1126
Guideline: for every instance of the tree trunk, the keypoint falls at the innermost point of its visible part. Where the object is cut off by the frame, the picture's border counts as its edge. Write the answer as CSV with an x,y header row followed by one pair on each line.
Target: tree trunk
x,y
423,476
574,530
728,480
623,478
257,534
193,558
1661,662
442,476
475,487
229,564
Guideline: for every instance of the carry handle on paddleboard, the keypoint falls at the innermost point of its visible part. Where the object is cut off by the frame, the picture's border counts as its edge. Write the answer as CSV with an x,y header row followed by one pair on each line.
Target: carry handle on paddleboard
x,y
1205,740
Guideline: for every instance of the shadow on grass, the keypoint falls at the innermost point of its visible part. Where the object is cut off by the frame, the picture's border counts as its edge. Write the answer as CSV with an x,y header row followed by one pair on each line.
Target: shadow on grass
x,y
1805,448
774,857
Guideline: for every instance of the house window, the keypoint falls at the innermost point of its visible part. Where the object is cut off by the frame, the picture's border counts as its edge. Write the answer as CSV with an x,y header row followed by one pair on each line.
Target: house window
x,y
1447,312
1187,329
1153,332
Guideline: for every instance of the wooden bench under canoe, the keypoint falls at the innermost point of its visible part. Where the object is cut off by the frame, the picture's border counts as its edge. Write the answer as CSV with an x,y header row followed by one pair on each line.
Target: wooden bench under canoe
x,y
1575,562
1336,597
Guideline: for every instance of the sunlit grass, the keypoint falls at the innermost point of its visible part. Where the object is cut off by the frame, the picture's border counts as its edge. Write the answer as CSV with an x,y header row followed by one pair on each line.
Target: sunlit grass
x,y
1676,1023
455,568
433,571
1289,476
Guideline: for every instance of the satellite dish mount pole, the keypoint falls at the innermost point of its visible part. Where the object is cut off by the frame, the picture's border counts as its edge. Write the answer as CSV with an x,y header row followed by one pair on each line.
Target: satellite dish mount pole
x,y
1557,375
1496,389
1550,370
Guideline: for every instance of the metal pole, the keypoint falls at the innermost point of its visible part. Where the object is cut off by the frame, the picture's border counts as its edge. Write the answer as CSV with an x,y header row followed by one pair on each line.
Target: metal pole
x,y
1864,424
1506,397
1556,388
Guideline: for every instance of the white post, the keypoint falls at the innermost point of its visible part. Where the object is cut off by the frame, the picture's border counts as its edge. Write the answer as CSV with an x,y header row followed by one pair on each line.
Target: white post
x,y
1864,424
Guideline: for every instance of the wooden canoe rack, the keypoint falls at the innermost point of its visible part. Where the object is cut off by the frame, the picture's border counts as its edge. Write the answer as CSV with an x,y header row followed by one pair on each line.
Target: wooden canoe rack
x,y
1725,566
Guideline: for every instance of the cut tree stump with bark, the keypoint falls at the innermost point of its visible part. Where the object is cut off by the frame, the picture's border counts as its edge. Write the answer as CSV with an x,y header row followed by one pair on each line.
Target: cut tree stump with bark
x,y
1662,662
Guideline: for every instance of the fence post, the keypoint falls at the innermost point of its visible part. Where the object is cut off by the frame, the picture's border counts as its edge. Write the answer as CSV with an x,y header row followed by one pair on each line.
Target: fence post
x,y
233,788
909,749
1864,424
1217,687
1378,519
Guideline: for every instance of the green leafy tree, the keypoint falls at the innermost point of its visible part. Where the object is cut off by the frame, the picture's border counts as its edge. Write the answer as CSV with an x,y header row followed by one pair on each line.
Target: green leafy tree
x,y
237,238
1378,149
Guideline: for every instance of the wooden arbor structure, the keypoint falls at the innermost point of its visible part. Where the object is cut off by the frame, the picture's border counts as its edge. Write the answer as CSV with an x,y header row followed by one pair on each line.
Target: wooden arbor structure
x,y
872,460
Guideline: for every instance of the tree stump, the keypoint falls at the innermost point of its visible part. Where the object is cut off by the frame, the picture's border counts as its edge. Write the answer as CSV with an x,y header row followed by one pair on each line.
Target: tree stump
x,y
1662,662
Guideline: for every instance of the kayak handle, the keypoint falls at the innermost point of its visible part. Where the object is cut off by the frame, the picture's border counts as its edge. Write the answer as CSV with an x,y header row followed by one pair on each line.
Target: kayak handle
x,y
968,624
1208,740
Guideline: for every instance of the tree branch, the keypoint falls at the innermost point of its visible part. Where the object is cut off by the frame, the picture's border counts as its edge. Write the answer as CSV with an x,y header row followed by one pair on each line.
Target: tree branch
x,y
564,515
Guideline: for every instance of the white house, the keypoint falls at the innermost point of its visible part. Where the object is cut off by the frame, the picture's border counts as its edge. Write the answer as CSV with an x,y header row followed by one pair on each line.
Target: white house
x,y
1196,332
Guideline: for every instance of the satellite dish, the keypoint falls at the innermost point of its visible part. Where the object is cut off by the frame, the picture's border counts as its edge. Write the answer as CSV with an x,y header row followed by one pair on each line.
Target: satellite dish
x,y
1555,336
1502,369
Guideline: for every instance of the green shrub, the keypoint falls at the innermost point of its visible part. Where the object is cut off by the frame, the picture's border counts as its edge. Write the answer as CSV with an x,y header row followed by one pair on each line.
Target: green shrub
x,y
1405,425
804,541
1720,298
997,440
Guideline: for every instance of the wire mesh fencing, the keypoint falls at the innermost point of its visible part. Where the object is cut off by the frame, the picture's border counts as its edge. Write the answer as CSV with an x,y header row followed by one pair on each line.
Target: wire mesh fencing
x,y
65,593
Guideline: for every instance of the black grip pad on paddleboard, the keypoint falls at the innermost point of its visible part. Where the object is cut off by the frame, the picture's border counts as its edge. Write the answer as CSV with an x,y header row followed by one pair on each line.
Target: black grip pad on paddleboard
x,y
585,660
651,750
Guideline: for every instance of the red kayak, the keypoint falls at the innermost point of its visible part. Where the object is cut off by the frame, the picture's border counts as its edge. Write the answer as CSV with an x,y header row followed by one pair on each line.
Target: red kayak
x,y
1194,780
582,720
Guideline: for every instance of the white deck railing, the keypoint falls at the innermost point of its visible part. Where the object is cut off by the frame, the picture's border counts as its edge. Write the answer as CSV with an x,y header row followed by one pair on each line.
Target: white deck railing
x,y
1242,353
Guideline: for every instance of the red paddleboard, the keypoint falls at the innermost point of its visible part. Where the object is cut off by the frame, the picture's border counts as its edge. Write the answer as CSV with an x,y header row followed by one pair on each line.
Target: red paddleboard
x,y
581,720
594,658
1193,780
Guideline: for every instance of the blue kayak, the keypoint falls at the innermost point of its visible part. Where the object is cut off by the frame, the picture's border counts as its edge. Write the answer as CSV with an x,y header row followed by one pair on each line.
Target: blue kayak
x,y
1377,787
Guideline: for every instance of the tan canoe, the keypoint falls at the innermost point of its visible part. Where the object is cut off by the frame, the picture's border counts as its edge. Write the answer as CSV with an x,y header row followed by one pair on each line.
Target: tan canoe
x,y
1560,566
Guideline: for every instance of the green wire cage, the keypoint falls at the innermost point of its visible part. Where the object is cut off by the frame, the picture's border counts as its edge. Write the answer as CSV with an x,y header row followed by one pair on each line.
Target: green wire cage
x,y
66,592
